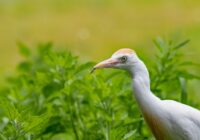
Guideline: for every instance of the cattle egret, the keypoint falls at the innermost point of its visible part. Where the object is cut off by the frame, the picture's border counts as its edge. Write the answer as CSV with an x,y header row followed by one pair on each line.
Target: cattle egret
x,y
167,119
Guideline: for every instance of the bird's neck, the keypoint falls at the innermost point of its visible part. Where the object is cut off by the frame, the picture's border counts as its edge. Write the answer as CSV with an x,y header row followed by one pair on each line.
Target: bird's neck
x,y
141,85
149,104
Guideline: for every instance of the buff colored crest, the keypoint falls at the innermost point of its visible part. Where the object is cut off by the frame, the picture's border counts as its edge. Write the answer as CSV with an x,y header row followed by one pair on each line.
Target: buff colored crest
x,y
124,51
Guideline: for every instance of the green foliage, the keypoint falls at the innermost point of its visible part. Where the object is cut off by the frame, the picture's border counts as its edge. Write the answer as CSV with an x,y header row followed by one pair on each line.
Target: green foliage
x,y
54,97
171,70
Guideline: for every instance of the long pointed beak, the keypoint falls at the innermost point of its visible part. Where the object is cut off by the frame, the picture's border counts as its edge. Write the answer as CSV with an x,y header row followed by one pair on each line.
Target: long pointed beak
x,y
109,63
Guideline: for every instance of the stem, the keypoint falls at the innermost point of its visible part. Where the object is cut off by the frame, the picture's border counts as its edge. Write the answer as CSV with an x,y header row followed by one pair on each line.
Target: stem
x,y
70,101
108,131
140,125
183,90
74,129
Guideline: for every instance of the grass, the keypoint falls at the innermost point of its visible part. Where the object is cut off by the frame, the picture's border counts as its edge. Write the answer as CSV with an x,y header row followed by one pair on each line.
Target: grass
x,y
53,96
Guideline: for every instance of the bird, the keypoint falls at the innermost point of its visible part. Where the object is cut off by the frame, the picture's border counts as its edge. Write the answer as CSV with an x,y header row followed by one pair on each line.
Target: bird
x,y
167,119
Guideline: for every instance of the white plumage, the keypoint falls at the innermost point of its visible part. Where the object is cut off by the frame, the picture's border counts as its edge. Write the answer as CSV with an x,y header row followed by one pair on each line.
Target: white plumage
x,y
167,119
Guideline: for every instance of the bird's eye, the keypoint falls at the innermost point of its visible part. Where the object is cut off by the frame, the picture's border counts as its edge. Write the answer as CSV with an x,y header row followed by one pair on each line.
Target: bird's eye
x,y
123,59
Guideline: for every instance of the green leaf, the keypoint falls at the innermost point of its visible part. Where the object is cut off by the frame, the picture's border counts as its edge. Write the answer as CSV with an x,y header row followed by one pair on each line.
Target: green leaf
x,y
182,44
24,50
159,43
129,134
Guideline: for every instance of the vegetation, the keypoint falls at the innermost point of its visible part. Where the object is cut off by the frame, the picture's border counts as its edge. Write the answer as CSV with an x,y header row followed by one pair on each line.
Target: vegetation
x,y
54,97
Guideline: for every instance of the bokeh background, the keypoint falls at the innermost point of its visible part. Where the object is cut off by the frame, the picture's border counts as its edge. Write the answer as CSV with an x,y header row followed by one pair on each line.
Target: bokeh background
x,y
93,29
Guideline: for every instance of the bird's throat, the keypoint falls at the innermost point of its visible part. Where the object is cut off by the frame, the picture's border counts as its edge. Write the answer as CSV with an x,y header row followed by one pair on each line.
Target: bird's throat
x,y
142,93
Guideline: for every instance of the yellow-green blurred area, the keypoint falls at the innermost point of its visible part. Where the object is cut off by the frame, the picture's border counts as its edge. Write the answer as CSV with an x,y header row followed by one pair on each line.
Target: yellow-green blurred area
x,y
93,29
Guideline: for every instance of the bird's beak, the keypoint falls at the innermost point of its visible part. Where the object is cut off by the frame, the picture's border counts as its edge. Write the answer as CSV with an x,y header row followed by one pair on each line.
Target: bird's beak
x,y
109,63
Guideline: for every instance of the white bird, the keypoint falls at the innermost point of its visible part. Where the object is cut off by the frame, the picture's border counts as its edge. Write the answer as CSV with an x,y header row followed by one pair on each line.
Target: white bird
x,y
167,119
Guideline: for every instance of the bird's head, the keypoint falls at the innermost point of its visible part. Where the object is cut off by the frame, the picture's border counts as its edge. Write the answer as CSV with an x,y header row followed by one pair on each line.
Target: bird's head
x,y
121,59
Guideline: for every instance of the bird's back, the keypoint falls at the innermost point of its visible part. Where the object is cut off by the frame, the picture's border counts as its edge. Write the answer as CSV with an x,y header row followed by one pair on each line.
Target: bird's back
x,y
183,121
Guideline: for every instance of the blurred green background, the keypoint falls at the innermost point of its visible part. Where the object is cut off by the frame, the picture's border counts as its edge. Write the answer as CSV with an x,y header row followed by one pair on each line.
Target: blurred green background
x,y
93,29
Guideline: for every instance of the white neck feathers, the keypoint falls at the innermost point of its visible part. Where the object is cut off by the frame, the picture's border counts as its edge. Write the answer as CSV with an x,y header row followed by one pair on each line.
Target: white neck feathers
x,y
141,85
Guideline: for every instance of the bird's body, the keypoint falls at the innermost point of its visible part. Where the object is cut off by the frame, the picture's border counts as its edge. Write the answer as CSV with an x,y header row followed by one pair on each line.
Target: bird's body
x,y
167,119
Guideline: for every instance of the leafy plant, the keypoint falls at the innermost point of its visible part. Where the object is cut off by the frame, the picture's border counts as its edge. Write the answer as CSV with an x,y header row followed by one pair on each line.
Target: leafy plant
x,y
53,96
